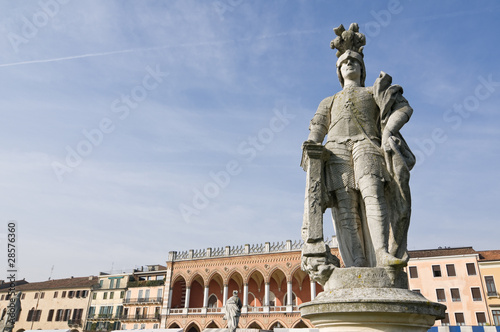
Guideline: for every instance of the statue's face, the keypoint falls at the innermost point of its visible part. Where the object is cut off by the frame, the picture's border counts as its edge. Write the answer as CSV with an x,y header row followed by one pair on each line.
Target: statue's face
x,y
351,69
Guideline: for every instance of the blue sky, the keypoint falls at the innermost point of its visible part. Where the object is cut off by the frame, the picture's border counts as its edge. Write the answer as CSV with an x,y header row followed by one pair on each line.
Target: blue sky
x,y
116,115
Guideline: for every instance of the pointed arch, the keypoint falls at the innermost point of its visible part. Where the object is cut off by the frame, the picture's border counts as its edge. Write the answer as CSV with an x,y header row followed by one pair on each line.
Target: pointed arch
x,y
276,324
178,292
255,325
192,327
236,276
196,292
300,324
212,325
278,286
174,325
253,271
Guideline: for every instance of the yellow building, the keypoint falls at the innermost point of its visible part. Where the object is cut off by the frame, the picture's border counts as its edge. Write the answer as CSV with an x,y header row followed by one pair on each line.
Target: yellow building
x,y
144,298
489,266
54,304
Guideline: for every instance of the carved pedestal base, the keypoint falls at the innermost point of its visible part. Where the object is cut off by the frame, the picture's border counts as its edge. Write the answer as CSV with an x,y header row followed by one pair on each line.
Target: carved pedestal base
x,y
370,299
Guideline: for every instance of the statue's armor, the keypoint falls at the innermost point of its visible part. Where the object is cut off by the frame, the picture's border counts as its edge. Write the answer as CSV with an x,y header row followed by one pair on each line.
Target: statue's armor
x,y
354,139
351,108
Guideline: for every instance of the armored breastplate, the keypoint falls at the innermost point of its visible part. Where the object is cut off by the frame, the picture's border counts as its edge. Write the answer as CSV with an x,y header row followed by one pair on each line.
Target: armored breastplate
x,y
352,109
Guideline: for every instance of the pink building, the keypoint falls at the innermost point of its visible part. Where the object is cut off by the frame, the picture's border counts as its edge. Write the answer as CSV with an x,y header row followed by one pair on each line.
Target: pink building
x,y
450,276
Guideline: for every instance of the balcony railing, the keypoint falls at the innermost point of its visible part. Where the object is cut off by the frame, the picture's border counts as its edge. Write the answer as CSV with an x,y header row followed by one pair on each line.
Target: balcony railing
x,y
145,283
143,300
139,318
75,322
210,310
103,317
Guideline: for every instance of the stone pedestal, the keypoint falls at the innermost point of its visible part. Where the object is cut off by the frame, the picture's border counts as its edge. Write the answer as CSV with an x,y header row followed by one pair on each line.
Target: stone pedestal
x,y
370,299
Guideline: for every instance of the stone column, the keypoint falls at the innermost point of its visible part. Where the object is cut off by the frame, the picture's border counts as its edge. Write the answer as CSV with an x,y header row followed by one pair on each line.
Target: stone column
x,y
289,293
266,294
169,305
245,295
224,296
205,297
313,290
188,293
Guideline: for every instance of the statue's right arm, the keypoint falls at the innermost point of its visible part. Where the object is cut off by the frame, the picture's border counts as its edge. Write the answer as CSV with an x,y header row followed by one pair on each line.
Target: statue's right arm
x,y
320,122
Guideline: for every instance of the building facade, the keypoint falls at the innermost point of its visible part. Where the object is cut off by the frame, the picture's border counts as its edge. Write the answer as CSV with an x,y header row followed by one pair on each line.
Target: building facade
x,y
267,277
54,304
450,276
144,298
489,265
106,306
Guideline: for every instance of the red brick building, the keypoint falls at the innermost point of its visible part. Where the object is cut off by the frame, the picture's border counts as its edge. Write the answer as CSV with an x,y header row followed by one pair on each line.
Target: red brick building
x,y
268,278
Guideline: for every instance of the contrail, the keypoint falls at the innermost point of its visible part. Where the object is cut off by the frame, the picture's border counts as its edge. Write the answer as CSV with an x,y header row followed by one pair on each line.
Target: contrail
x,y
210,43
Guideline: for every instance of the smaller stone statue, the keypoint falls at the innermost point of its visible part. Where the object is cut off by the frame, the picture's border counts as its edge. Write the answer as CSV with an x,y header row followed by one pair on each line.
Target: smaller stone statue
x,y
233,312
8,321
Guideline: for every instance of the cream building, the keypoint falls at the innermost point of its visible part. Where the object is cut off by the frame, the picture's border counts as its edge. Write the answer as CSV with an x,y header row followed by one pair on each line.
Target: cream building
x,y
54,304
106,306
489,266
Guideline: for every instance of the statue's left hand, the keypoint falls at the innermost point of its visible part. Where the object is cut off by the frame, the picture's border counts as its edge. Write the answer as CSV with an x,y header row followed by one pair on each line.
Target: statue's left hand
x,y
386,136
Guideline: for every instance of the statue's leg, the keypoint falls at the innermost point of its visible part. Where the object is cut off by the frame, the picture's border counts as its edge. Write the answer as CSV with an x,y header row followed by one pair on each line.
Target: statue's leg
x,y
372,191
349,221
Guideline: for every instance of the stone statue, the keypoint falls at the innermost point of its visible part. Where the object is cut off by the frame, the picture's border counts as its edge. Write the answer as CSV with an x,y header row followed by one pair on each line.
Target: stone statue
x,y
233,311
362,173
8,321
362,170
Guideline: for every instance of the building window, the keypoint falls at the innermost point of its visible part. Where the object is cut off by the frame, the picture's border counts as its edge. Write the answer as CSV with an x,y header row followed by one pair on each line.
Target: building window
x,y
476,294
55,295
63,294
111,295
413,272
459,318
117,283
122,294
30,315
212,301
481,318
416,291
450,270
155,326
436,270
36,295
471,269
71,294
67,314
496,317
1,298
446,320
77,294
111,283
140,295
59,315
490,286
441,297
136,326
105,295
455,295
42,295
85,293
159,295
143,326
50,315
146,297
124,326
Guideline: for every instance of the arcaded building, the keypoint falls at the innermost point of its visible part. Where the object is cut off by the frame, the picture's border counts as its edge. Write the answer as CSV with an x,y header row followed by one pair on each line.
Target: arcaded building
x,y
267,277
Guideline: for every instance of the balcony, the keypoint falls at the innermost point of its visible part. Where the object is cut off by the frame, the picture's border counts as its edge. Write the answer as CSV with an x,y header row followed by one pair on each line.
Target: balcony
x,y
145,283
141,318
72,323
103,317
143,300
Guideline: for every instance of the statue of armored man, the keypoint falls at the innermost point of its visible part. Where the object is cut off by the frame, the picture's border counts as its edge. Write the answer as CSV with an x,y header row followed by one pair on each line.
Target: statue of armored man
x,y
361,171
